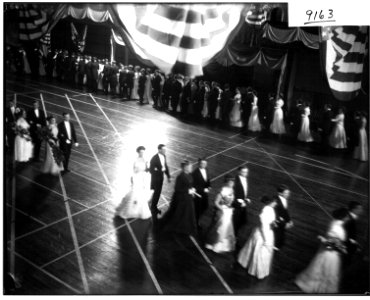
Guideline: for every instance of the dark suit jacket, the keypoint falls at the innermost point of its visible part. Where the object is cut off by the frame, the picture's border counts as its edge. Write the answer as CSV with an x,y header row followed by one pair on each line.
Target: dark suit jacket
x,y
282,214
156,167
33,120
156,84
10,118
63,136
238,192
198,181
130,79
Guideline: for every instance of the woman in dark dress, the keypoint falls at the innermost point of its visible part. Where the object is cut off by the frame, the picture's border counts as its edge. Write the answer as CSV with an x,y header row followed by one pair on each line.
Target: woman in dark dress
x,y
180,217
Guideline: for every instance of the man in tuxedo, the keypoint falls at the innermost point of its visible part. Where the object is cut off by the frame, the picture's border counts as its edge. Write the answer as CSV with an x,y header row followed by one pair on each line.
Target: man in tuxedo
x,y
326,126
36,118
130,81
283,220
355,210
156,84
10,120
240,199
94,74
202,185
67,137
81,71
158,167
113,78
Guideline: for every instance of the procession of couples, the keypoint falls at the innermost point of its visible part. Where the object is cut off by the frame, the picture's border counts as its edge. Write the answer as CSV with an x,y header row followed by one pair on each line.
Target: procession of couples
x,y
190,203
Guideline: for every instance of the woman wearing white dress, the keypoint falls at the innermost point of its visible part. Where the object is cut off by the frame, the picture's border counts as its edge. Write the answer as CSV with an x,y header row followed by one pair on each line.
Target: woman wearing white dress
x,y
148,88
23,147
324,272
304,134
220,236
257,253
135,88
135,203
50,166
277,126
254,122
338,138
361,150
236,114
205,104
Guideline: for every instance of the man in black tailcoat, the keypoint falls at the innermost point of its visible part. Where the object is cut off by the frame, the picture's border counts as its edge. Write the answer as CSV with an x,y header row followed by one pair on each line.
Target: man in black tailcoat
x,y
296,117
122,81
67,137
226,104
167,91
176,91
88,72
130,81
106,75
283,220
94,74
81,71
326,126
247,105
212,100
240,199
36,119
10,120
113,78
355,210
202,185
141,88
156,84
158,167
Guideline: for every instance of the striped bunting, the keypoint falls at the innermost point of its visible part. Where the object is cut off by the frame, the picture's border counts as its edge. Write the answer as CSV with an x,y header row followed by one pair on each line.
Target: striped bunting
x,y
33,23
179,38
345,53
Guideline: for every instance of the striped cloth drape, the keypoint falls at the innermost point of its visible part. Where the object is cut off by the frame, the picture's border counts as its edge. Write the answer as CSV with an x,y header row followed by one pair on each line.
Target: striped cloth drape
x,y
179,38
33,22
345,53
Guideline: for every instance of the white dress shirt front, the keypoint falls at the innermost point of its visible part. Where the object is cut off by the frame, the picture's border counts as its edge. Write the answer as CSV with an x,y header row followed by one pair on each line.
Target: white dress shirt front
x,y
204,173
163,161
243,180
68,129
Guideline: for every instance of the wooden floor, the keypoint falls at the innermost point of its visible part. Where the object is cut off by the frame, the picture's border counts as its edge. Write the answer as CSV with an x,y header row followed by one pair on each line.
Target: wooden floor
x,y
65,239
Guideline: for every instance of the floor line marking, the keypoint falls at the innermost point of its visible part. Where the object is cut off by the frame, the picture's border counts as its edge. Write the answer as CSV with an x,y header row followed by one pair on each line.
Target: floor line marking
x,y
48,273
295,181
70,221
224,283
321,162
74,237
12,223
27,215
149,269
49,189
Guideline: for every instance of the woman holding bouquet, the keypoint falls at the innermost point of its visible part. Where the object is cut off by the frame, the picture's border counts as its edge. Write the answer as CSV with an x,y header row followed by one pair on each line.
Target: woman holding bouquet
x,y
221,236
23,147
257,253
324,272
53,161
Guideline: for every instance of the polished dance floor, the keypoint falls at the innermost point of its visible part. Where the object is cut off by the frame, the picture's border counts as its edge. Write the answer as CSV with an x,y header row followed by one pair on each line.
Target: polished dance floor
x,y
64,238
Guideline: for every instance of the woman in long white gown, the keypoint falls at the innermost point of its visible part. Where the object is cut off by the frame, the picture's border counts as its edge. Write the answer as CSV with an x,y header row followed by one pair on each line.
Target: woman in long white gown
x,y
254,121
135,203
220,236
205,111
236,114
50,166
324,272
23,146
338,137
361,150
135,88
304,134
257,253
277,126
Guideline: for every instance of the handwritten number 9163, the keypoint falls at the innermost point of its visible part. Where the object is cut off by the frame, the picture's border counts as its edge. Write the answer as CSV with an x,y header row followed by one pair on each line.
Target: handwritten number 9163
x,y
319,15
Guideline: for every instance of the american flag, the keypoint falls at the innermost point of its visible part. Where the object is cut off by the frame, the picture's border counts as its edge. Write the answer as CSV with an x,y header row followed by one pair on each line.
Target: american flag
x,y
33,22
345,53
179,38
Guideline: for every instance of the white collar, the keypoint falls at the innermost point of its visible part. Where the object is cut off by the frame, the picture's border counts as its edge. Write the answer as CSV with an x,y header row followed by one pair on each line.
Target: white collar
x,y
354,216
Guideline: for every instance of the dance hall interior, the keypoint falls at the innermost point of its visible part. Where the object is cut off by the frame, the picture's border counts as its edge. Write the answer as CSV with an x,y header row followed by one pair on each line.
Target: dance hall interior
x,y
183,149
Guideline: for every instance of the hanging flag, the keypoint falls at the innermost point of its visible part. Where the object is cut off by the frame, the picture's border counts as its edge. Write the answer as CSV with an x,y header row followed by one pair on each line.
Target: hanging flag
x,y
45,43
344,56
77,39
179,38
33,22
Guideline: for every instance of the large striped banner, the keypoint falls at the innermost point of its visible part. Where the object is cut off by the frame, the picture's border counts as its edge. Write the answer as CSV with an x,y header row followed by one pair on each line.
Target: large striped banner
x,y
33,22
345,53
179,38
